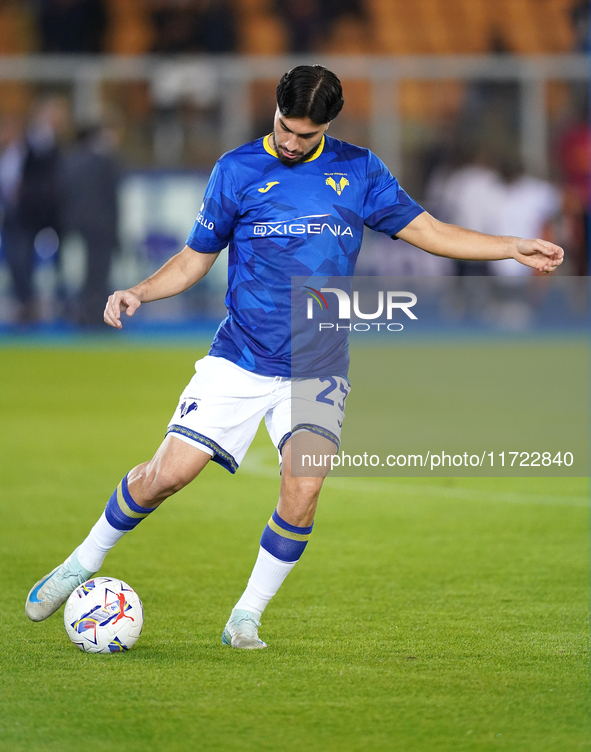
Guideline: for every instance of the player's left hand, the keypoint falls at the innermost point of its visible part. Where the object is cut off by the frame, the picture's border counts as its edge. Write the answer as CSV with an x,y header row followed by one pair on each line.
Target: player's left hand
x,y
539,254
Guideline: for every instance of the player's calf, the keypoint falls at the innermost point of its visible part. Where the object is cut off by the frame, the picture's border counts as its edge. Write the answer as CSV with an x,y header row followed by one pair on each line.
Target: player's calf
x,y
173,467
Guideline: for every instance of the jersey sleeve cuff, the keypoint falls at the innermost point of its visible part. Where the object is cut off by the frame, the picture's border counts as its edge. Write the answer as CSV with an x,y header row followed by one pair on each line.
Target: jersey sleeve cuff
x,y
409,215
196,246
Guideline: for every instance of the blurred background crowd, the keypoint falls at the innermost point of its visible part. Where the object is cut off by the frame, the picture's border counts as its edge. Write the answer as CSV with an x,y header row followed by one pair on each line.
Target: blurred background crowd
x,y
112,113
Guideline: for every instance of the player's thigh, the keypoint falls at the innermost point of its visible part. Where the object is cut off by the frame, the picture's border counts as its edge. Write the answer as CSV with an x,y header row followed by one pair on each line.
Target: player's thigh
x,y
220,410
309,414
177,460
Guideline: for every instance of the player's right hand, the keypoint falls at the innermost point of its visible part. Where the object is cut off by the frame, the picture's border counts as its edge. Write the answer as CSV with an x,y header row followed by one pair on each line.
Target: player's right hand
x,y
119,301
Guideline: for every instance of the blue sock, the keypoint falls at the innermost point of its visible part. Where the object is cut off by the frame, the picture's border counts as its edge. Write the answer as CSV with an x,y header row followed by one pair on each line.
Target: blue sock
x,y
121,515
282,545
122,512
284,541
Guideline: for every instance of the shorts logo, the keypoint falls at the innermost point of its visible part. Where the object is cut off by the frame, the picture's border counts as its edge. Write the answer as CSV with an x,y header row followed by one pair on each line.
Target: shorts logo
x,y
338,187
188,407
268,186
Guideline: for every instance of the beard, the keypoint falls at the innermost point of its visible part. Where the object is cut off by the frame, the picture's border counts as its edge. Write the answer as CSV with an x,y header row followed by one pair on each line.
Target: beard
x,y
294,160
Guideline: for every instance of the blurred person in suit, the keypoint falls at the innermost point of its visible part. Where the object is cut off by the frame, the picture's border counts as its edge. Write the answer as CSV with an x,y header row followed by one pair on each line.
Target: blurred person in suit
x,y
29,169
12,158
89,181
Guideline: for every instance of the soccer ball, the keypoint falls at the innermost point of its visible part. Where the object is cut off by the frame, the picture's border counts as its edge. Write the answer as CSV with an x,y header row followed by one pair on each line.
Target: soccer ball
x,y
104,615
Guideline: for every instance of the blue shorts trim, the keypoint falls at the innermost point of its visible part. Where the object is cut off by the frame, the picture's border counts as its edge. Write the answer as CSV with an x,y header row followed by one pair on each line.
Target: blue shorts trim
x,y
283,440
220,455
313,428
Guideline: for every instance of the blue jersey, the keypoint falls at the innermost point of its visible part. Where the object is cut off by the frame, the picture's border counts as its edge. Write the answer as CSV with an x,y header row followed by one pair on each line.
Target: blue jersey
x,y
283,221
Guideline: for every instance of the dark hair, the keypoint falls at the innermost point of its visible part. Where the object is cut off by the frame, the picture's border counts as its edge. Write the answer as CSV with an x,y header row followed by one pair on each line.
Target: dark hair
x,y
310,91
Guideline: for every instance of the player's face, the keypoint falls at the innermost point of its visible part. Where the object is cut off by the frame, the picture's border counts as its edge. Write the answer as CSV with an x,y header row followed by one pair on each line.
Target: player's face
x,y
296,138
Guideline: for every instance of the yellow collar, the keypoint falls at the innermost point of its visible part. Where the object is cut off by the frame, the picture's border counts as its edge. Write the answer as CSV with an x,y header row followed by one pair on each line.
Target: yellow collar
x,y
267,143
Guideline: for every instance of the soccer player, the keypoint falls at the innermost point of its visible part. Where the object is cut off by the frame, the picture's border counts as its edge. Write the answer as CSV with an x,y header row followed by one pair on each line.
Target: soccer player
x,y
293,203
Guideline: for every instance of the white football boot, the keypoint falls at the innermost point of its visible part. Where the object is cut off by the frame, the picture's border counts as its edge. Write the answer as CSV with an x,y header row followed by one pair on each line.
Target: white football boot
x,y
242,631
48,594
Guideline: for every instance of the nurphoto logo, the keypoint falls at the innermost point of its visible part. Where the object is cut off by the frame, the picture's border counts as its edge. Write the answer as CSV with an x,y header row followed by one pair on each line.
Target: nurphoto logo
x,y
387,303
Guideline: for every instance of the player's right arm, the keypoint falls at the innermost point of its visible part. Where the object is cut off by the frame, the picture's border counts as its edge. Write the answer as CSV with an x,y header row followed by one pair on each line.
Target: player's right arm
x,y
177,275
211,233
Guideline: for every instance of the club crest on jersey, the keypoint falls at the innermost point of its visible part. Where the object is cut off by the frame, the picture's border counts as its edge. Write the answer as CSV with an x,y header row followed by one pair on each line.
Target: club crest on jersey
x,y
338,187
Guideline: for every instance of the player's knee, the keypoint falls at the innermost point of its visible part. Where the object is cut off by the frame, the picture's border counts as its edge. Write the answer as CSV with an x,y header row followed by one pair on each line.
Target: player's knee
x,y
161,482
307,489
300,496
298,506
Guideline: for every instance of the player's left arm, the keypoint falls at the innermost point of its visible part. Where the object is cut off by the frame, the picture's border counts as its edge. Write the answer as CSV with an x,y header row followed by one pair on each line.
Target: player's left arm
x,y
455,242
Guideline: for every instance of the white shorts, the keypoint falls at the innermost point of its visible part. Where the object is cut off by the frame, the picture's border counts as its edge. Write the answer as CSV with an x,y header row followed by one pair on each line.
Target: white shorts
x,y
221,408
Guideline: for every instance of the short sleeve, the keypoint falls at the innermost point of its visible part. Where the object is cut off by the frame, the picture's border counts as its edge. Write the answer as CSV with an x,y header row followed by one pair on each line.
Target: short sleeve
x,y
218,215
387,207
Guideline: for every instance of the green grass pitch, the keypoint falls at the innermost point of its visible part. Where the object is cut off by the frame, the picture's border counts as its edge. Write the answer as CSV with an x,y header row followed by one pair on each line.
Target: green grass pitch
x,y
426,614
